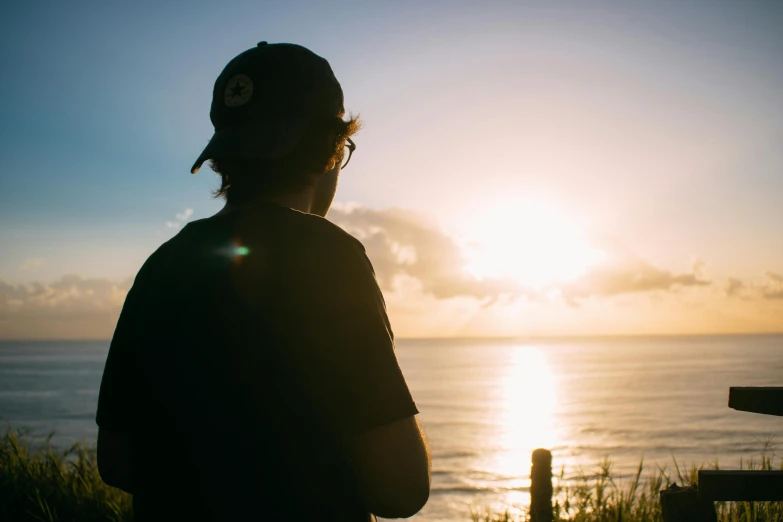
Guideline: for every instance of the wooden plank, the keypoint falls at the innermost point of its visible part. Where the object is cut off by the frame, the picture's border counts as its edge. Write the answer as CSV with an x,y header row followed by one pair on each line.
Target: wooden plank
x,y
740,485
766,399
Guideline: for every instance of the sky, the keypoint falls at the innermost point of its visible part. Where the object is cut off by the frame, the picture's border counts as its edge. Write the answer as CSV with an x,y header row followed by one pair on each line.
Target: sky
x,y
525,168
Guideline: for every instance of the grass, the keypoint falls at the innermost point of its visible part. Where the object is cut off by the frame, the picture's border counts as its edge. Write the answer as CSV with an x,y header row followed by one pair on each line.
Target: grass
x,y
38,483
601,497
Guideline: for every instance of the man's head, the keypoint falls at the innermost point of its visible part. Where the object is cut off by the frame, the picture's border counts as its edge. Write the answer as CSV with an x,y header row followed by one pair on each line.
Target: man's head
x,y
279,129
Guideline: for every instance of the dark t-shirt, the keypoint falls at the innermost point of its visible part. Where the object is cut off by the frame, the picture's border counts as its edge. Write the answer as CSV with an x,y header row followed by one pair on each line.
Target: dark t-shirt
x,y
251,349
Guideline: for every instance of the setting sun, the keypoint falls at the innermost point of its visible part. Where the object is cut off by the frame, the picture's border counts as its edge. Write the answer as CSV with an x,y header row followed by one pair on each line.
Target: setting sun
x,y
528,242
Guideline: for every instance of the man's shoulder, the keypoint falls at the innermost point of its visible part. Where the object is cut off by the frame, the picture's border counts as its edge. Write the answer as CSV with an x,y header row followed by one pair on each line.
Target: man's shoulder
x,y
318,249
331,235
176,251
284,231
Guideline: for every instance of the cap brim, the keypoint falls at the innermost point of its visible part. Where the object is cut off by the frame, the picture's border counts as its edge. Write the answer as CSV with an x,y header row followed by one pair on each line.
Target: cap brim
x,y
261,140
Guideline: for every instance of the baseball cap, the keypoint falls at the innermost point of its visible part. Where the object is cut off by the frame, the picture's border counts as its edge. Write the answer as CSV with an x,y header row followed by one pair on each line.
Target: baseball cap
x,y
265,99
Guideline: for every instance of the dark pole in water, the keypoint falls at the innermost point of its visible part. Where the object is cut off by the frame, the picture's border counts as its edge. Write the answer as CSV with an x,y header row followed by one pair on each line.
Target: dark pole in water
x,y
541,486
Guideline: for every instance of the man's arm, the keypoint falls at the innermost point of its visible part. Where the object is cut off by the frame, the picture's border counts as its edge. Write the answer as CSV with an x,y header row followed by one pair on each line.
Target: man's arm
x,y
115,458
392,465
353,380
118,396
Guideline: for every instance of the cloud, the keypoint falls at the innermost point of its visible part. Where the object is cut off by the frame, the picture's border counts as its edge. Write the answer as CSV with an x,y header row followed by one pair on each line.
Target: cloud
x,y
624,273
734,287
421,271
775,278
403,243
32,262
72,306
181,218
770,288
774,287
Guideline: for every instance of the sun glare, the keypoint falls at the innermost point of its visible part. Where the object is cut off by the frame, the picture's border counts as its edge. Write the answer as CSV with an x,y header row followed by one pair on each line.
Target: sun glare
x,y
529,243
529,406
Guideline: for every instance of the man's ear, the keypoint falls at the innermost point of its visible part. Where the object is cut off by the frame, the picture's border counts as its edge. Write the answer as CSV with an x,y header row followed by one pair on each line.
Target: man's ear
x,y
327,142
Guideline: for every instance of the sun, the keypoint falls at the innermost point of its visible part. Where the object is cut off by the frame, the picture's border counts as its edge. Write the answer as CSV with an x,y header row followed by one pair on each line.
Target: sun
x,y
528,242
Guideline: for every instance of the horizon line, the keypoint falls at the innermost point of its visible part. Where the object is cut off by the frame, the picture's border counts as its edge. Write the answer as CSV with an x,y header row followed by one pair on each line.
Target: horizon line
x,y
483,338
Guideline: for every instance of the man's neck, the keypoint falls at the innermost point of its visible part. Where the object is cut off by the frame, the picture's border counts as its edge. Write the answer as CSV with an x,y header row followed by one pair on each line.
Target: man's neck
x,y
301,201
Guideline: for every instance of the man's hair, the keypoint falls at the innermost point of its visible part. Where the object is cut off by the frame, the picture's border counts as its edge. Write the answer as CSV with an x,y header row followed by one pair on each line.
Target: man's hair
x,y
242,179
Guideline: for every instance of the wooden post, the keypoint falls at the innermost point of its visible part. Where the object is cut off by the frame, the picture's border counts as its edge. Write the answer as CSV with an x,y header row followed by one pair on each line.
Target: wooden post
x,y
683,505
541,486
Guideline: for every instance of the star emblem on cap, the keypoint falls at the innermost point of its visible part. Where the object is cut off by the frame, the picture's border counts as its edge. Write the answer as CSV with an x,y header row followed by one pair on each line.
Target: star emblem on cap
x,y
239,90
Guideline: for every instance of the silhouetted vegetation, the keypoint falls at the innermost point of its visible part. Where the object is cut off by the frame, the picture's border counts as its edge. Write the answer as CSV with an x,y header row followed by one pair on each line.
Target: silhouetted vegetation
x,y
602,497
39,483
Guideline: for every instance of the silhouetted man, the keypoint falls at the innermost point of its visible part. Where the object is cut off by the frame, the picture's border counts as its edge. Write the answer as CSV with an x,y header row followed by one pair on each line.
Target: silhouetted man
x,y
252,374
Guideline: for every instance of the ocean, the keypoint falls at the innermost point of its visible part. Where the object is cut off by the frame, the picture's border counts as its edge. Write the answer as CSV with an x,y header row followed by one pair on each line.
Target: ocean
x,y
486,404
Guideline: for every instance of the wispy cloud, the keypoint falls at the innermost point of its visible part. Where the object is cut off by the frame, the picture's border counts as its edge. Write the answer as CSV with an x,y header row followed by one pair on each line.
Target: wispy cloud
x,y
734,287
72,306
770,288
32,262
774,287
180,219
623,272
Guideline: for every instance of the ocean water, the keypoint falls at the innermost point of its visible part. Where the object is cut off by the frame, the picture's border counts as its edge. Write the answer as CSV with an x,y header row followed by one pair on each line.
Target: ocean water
x,y
486,404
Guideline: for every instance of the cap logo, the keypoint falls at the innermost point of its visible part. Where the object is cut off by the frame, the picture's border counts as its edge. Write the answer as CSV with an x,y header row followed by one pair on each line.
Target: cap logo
x,y
238,91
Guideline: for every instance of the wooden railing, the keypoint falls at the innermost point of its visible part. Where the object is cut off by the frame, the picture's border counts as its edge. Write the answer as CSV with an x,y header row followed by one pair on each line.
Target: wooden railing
x,y
696,504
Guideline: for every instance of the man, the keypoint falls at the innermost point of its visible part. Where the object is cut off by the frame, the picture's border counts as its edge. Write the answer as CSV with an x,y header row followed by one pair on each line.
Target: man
x,y
252,373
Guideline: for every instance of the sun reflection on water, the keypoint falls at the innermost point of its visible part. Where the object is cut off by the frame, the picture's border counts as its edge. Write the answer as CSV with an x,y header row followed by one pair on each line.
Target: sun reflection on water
x,y
527,396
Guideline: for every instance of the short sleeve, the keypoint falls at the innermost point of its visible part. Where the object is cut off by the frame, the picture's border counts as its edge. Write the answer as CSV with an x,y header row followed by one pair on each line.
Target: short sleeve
x,y
343,356
117,397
